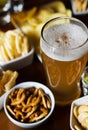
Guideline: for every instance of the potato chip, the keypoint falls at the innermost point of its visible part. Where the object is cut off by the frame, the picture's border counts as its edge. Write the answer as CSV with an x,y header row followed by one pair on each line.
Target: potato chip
x,y
82,116
4,54
7,80
8,51
75,111
82,108
85,123
11,81
77,127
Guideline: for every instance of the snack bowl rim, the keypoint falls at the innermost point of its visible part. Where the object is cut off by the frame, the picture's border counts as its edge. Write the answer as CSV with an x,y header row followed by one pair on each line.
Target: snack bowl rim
x,y
27,85
77,102
1,101
16,64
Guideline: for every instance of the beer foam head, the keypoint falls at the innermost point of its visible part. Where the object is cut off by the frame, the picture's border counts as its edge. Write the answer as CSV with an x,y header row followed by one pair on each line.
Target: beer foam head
x,y
64,42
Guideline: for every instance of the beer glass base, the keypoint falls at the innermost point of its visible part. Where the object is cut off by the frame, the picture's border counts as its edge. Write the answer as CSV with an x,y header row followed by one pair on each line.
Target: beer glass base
x,y
68,101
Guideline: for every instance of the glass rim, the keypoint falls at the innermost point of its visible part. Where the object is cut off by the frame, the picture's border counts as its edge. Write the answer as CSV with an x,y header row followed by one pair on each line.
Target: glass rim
x,y
60,18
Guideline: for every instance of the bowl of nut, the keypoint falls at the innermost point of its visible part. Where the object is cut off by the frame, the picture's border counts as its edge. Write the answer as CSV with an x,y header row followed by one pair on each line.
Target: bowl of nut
x,y
79,114
29,104
16,51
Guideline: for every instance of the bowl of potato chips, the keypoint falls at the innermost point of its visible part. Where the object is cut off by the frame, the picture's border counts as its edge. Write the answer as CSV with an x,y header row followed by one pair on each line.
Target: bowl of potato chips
x,y
16,51
29,104
79,114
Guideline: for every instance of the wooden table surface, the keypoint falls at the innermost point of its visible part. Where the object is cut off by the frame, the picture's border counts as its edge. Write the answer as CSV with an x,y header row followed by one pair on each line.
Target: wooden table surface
x,y
60,119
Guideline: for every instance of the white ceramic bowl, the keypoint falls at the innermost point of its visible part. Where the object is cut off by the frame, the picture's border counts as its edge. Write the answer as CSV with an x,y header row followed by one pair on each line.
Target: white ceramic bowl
x,y
77,102
27,85
2,101
20,62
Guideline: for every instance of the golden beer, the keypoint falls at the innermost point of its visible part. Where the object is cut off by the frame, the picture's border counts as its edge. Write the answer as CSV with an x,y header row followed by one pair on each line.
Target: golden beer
x,y
64,48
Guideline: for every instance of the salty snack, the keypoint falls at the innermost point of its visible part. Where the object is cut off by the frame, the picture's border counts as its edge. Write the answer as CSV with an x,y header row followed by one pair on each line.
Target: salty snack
x,y
81,114
7,80
28,105
13,44
80,5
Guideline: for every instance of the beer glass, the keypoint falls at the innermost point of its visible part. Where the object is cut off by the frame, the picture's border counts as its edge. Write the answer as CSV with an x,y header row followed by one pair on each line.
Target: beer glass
x,y
64,48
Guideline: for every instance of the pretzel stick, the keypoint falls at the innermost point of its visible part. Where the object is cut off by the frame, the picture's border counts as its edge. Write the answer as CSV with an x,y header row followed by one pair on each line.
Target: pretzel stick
x,y
16,102
10,110
42,115
32,111
41,93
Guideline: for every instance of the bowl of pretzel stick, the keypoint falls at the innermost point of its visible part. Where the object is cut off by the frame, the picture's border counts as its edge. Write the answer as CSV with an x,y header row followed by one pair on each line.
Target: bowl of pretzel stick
x,y
16,51
29,104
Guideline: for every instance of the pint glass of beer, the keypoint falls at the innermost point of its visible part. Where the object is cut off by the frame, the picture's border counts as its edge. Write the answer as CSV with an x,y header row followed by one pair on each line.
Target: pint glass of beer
x,y
64,49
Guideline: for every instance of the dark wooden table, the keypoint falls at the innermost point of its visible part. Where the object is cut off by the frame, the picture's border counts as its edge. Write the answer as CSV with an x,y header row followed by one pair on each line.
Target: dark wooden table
x,y
60,119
